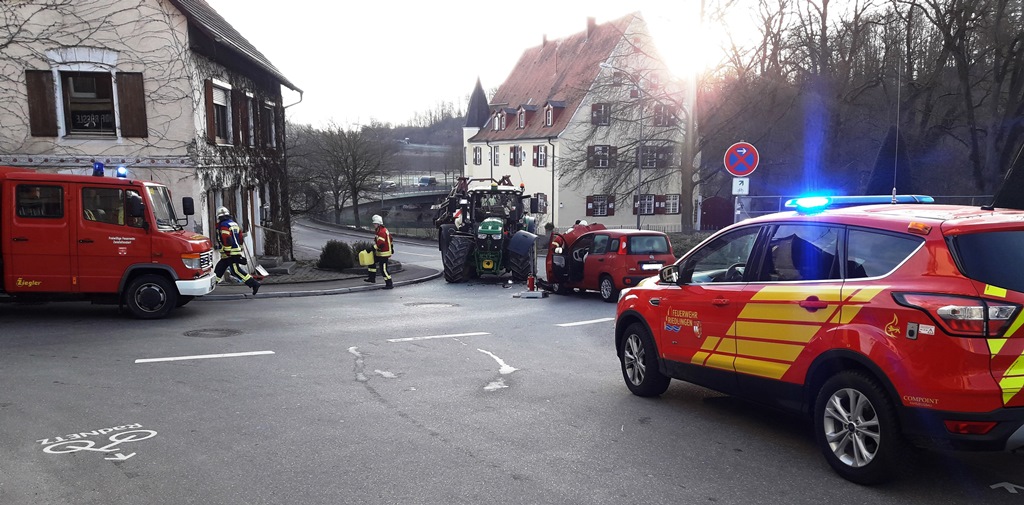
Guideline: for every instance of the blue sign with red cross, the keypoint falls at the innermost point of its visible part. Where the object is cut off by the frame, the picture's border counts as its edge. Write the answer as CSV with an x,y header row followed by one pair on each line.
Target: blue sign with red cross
x,y
741,159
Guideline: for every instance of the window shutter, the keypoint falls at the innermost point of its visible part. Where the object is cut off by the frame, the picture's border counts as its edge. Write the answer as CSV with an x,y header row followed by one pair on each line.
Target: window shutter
x,y
512,156
611,205
243,119
536,150
590,156
211,124
590,206
636,204
131,99
594,113
659,204
42,106
237,126
613,160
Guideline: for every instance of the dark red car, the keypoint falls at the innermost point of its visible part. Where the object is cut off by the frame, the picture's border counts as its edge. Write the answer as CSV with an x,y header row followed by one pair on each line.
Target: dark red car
x,y
592,257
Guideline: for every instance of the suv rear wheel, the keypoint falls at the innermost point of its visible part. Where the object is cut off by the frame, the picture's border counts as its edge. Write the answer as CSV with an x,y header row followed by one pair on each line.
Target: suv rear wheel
x,y
857,429
639,360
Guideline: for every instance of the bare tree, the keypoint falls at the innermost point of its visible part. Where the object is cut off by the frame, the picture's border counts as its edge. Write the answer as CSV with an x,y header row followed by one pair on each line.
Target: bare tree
x,y
354,162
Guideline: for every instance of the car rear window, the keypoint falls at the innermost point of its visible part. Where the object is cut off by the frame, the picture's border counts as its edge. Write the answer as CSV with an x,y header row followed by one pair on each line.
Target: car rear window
x,y
874,254
992,257
648,244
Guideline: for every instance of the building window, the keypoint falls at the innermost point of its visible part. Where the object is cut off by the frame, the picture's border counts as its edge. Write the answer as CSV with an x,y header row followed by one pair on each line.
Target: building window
x,y
549,116
503,116
522,119
601,114
648,157
515,156
672,204
496,155
478,155
269,124
601,156
540,156
497,122
250,110
617,79
600,205
88,103
646,205
664,115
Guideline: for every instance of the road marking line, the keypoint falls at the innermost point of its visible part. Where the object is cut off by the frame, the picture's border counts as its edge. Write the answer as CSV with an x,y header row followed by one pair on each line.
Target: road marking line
x,y
204,356
456,335
581,323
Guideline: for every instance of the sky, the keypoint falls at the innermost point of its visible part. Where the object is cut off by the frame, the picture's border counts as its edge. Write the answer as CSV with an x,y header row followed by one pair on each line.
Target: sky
x,y
363,60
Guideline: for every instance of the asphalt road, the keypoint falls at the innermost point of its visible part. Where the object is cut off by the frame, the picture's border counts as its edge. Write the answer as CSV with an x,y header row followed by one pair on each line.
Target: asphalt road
x,y
432,394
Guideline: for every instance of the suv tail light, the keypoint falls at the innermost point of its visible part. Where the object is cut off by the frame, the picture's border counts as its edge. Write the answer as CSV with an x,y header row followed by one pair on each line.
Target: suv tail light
x,y
960,315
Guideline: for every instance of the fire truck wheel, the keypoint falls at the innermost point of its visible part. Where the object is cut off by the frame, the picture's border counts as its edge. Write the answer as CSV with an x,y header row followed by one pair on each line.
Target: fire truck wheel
x,y
608,291
857,429
150,296
639,359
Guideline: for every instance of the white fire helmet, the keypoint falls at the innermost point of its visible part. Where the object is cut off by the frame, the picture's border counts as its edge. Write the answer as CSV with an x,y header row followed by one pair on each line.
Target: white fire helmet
x,y
223,211
376,219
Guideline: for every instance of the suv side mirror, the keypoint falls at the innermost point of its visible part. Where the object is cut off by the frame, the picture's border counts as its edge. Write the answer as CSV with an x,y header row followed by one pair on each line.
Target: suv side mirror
x,y
669,274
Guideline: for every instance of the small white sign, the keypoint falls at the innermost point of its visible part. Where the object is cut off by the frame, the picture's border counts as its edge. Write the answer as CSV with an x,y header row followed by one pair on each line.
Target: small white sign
x,y
741,186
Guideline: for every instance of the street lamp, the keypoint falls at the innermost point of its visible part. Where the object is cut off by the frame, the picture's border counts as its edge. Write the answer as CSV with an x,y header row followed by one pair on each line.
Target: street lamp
x,y
640,134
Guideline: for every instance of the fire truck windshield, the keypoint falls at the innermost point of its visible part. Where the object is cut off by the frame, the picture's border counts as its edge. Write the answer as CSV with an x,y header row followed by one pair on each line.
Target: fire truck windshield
x,y
163,211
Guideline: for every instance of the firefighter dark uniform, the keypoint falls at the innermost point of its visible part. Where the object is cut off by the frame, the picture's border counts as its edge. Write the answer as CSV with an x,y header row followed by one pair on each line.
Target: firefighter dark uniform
x,y
231,250
383,247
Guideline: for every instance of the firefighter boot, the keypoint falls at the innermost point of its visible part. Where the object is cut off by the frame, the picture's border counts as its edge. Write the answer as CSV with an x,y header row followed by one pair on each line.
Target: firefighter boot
x,y
254,284
388,284
371,277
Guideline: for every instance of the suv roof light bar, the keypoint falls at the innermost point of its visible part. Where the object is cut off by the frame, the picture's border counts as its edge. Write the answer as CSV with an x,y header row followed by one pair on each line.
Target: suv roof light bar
x,y
819,203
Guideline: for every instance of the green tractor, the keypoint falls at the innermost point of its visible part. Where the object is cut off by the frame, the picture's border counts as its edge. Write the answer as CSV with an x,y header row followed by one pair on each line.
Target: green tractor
x,y
484,229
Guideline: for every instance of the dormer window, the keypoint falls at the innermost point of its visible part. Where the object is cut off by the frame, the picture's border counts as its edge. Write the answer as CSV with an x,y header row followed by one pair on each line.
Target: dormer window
x,y
549,116
502,119
496,122
522,119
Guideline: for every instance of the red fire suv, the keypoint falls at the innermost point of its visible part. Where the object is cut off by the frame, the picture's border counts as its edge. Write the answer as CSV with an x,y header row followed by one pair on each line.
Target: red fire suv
x,y
888,324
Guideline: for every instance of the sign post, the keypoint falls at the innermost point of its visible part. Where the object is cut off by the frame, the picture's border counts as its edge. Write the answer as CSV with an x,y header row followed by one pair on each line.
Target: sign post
x,y
740,161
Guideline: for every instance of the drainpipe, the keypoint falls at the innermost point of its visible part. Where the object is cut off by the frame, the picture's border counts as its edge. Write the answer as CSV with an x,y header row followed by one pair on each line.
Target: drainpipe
x,y
552,201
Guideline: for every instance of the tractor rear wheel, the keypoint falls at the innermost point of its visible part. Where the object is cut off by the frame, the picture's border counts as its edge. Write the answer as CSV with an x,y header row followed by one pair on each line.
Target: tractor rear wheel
x,y
454,258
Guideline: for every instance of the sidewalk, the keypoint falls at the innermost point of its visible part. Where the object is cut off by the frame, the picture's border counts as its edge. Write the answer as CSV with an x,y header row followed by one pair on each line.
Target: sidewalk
x,y
307,280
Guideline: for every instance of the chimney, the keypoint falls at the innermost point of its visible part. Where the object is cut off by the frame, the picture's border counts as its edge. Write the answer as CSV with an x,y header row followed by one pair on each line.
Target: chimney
x,y
591,24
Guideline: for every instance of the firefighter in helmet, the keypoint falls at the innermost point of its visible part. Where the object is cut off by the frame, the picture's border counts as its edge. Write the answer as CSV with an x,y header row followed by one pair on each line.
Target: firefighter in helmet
x,y
382,250
231,250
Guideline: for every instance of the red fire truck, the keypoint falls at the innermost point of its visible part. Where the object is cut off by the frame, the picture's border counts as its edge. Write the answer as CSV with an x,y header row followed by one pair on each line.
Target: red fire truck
x,y
101,239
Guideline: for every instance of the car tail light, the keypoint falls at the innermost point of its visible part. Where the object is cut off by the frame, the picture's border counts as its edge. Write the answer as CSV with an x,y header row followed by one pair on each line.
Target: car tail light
x,y
969,427
622,246
960,315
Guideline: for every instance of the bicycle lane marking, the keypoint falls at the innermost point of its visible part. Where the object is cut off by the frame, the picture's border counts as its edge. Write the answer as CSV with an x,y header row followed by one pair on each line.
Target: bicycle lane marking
x,y
77,442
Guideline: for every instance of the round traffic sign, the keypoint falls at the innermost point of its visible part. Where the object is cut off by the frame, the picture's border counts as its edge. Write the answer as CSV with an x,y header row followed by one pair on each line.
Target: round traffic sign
x,y
741,159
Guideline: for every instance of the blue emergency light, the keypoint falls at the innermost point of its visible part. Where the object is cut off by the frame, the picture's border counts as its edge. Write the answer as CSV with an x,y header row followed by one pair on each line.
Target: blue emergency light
x,y
122,172
812,204
97,169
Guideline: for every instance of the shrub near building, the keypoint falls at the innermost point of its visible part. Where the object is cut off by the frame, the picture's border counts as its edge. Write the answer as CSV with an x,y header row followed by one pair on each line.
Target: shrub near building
x,y
336,255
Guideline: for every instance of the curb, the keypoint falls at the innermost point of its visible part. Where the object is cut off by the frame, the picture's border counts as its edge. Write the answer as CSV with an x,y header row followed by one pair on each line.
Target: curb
x,y
317,292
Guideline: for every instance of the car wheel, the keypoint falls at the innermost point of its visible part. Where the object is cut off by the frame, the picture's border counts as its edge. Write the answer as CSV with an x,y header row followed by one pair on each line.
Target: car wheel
x,y
559,289
639,359
151,296
608,291
857,429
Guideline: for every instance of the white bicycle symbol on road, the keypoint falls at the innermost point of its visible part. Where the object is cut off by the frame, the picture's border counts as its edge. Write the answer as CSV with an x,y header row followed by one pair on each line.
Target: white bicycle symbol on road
x,y
116,439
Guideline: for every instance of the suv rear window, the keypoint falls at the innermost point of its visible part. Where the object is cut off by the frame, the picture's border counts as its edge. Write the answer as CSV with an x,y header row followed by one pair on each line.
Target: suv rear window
x,y
992,257
648,244
874,254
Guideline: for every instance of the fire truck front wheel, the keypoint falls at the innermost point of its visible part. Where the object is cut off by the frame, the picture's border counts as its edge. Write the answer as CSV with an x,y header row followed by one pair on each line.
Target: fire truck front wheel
x,y
150,296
